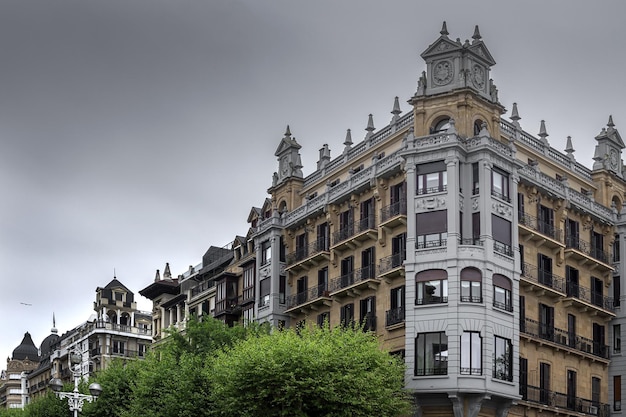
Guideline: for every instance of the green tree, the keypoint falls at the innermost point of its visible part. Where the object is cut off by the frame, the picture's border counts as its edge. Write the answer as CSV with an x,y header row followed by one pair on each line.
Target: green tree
x,y
316,372
48,406
117,381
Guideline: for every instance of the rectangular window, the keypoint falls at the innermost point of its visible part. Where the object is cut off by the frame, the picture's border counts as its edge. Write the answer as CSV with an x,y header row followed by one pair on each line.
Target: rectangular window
x,y
346,226
431,354
476,228
282,250
599,348
544,383
597,288
523,378
500,184
616,249
503,362
545,223
432,292
248,283
302,246
501,231
475,179
432,229
118,347
248,314
264,292
617,392
347,315
322,241
617,290
471,291
301,290
322,282
617,338
266,252
571,389
398,250
502,298
397,313
595,391
544,270
347,271
323,319
471,354
368,314
571,282
282,289
367,215
571,331
572,236
546,322
368,266
432,178
597,247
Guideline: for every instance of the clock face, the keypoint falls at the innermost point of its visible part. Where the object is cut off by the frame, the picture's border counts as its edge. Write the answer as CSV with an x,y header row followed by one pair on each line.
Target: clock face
x,y
613,158
478,77
443,72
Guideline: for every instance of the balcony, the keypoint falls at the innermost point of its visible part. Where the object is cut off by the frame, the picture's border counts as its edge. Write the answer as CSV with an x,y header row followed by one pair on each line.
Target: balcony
x,y
229,306
393,215
560,401
368,323
391,266
587,254
308,256
394,316
539,232
353,235
430,244
543,282
541,332
585,299
349,284
309,299
502,248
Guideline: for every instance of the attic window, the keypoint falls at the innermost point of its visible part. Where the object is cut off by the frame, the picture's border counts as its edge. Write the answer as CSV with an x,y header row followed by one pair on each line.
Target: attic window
x,y
268,213
559,177
312,196
333,183
357,169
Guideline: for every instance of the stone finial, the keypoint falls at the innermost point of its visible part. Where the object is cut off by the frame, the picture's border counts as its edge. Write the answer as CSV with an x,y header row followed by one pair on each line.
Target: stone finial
x,y
515,114
157,277
370,127
569,149
287,132
324,157
348,142
543,134
444,29
610,124
476,36
166,272
396,110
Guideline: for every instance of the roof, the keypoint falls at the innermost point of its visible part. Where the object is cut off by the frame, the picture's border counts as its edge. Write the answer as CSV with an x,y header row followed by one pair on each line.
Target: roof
x,y
164,286
114,284
26,350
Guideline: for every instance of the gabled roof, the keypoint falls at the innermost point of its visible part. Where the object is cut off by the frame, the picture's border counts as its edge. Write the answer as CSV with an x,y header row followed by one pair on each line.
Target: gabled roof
x,y
480,50
255,212
114,284
442,45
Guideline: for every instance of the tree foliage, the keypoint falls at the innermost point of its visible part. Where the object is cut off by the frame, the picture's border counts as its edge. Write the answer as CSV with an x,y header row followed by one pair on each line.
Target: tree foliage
x,y
318,372
215,370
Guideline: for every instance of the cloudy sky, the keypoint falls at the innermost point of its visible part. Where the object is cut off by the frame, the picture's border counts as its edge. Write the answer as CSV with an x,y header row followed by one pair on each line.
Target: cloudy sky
x,y
136,133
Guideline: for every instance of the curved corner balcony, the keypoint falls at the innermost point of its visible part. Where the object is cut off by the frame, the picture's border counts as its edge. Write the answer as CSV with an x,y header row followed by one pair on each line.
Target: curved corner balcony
x,y
587,254
308,256
353,235
539,232
351,283
544,282
560,403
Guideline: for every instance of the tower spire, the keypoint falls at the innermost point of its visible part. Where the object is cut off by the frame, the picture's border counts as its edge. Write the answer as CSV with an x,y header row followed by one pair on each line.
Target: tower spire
x,y
476,36
444,29
54,325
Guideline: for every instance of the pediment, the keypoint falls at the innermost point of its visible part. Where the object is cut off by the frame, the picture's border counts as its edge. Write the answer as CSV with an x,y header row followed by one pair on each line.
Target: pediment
x,y
443,45
255,213
285,144
479,49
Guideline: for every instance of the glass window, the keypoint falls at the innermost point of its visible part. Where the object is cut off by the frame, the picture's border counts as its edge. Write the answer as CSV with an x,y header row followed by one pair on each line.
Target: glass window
x,y
431,354
471,285
502,292
617,338
471,353
266,252
432,287
500,184
264,293
432,229
503,359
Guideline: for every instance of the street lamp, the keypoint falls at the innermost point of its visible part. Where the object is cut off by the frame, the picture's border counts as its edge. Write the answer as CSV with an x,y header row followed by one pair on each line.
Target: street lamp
x,y
75,399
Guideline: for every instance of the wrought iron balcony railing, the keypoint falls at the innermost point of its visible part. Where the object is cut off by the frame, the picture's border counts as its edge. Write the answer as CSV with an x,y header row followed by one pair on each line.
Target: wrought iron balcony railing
x,y
573,242
395,316
540,226
353,229
320,245
395,209
563,401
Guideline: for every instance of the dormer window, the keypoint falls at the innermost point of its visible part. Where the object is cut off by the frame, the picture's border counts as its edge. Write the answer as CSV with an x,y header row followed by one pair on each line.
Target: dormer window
x,y
333,183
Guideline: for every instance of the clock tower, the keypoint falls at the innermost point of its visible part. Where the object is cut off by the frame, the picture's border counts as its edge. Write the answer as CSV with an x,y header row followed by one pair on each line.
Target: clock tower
x,y
608,153
289,162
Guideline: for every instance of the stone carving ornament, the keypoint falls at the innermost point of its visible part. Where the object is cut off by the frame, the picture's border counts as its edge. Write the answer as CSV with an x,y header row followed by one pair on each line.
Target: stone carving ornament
x,y
443,72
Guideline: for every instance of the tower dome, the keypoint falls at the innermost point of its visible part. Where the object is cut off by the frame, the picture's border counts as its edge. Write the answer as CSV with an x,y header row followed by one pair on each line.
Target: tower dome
x,y
26,350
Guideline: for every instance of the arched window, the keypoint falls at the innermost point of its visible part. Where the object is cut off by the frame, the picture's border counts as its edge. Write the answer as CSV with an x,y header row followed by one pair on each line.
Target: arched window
x,y
432,287
440,126
502,290
478,125
471,285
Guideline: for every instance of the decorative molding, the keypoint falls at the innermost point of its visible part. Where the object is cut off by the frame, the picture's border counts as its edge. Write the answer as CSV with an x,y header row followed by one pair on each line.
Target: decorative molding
x,y
431,203
503,210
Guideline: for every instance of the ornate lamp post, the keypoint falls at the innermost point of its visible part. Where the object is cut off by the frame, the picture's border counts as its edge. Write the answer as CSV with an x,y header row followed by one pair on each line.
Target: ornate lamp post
x,y
75,399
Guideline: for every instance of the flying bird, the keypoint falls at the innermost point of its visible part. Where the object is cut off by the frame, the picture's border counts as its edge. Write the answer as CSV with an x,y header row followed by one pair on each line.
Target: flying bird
x,y
26,304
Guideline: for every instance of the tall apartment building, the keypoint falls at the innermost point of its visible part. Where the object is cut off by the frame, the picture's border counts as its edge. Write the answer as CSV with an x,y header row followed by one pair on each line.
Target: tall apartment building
x,y
486,258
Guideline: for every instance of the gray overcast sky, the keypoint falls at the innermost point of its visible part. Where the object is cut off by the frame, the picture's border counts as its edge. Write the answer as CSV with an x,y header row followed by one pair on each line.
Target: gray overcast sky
x,y
141,132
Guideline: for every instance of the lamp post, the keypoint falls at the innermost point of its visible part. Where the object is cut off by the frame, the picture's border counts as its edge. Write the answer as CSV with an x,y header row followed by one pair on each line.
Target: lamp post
x,y
75,399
